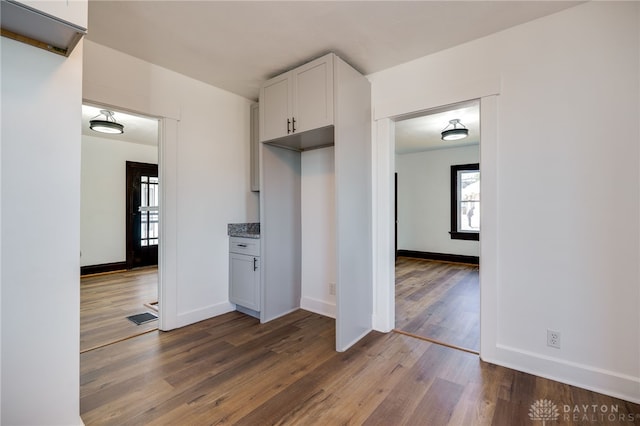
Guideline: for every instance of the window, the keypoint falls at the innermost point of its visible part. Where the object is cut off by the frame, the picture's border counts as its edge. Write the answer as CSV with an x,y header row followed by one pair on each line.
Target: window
x,y
465,202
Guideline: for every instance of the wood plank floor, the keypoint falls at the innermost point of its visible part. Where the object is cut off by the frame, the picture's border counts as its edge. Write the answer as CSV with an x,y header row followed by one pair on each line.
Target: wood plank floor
x,y
233,370
107,300
439,300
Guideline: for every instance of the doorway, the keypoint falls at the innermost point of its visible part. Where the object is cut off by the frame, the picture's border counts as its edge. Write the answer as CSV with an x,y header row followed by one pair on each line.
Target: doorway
x,y
114,285
437,291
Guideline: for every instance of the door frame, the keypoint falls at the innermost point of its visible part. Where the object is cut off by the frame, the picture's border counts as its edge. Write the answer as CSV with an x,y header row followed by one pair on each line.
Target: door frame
x,y
451,195
383,208
167,175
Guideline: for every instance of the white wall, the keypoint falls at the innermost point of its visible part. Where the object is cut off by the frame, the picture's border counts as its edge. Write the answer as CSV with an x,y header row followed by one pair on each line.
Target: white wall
x,y
204,168
566,190
103,196
41,113
318,210
424,200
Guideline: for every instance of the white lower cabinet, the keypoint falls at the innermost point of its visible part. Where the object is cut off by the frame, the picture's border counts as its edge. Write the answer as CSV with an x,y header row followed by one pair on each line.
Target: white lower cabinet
x,y
244,274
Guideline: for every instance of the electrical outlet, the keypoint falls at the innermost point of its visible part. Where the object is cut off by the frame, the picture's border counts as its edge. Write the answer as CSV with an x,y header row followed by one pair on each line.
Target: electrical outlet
x,y
553,339
332,289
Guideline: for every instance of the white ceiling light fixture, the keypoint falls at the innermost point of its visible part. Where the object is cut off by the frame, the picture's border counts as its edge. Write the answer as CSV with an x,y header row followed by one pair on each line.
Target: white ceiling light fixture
x,y
455,130
108,125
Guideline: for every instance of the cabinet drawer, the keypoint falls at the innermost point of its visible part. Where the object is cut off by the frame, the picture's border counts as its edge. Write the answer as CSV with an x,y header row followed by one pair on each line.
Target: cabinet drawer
x,y
241,245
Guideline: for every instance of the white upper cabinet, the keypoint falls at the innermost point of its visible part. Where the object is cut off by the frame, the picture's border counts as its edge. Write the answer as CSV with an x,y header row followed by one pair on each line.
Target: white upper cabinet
x,y
275,108
298,100
313,94
74,12
56,26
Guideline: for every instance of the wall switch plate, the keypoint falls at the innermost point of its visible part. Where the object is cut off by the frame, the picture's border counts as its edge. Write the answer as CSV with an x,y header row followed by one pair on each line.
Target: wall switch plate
x,y
553,339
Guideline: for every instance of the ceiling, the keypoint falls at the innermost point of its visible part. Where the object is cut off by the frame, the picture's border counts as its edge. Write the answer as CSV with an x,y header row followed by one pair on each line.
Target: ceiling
x,y
236,45
422,133
413,134
137,129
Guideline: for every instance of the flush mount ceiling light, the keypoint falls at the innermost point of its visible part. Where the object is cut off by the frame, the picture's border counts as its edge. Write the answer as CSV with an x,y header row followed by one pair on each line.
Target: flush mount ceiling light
x,y
108,125
452,132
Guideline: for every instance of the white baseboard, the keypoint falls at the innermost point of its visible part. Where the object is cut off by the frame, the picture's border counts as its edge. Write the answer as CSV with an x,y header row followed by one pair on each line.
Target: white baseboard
x,y
191,317
318,306
584,376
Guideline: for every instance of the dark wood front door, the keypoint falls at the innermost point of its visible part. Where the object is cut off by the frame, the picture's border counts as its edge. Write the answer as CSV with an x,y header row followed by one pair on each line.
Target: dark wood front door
x,y
142,214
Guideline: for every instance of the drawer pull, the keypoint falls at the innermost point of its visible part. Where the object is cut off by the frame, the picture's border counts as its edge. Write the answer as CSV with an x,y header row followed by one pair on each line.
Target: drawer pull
x,y
242,245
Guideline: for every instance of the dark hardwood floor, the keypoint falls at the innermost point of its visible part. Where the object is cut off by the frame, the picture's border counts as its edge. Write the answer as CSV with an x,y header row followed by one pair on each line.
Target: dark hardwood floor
x,y
233,370
438,300
106,300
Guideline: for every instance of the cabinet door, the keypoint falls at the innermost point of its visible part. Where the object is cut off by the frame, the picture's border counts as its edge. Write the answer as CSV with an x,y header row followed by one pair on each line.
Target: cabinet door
x,y
255,149
313,94
275,108
244,278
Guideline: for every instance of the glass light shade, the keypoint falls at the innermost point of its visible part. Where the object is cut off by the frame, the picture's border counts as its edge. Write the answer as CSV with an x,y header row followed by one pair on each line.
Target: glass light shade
x,y
104,126
454,134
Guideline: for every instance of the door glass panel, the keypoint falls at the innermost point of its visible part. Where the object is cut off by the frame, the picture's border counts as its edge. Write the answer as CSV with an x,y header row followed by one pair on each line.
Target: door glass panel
x,y
144,194
153,225
144,226
149,210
